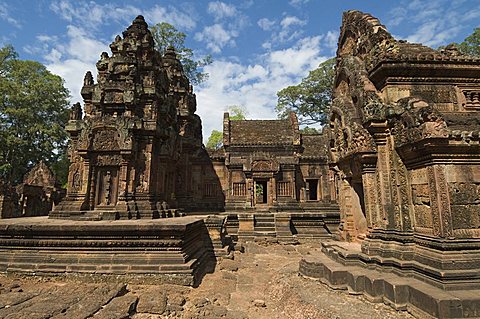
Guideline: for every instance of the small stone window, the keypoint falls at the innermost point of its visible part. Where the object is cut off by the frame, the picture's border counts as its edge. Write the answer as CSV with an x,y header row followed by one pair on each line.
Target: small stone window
x,y
239,189
210,190
284,189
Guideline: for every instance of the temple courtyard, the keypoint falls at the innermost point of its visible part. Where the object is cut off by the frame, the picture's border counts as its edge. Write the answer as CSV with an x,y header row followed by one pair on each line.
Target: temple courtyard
x,y
261,282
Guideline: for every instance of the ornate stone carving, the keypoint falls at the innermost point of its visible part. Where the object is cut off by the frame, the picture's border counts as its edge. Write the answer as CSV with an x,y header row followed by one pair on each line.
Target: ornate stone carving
x,y
76,112
109,160
264,166
105,140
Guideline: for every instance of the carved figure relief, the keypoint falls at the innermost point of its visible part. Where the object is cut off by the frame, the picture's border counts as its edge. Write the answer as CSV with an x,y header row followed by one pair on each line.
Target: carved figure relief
x,y
105,140
77,181
107,183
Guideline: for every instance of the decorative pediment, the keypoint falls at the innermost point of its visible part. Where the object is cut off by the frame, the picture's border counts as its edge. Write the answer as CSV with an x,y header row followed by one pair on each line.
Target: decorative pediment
x,y
105,140
264,166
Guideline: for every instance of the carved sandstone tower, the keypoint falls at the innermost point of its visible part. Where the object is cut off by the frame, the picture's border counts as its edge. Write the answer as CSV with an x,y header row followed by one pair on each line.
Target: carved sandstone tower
x,y
405,135
124,151
405,138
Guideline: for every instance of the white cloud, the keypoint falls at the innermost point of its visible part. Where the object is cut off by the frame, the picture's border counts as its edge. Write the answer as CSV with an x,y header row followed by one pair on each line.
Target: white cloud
x,y
288,30
71,56
255,85
179,19
47,38
289,21
435,22
83,47
229,22
71,71
92,15
221,10
216,37
265,24
298,3
6,15
331,39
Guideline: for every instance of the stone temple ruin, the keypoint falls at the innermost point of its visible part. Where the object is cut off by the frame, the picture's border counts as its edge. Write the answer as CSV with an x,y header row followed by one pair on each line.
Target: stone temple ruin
x,y
390,188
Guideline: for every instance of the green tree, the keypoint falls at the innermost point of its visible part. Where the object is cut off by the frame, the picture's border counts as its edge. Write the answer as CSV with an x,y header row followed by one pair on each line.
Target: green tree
x,y
33,112
165,35
310,99
237,112
215,140
471,44
309,130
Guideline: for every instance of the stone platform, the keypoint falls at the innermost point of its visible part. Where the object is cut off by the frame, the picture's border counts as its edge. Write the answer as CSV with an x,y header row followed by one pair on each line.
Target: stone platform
x,y
176,250
382,284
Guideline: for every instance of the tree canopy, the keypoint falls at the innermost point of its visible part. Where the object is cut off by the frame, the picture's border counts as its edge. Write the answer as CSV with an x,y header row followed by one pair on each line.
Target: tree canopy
x,y
310,99
471,44
33,113
215,141
165,35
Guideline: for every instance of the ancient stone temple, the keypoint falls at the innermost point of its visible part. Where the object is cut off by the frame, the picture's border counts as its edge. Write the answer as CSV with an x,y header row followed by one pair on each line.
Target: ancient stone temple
x,y
137,152
273,176
38,193
404,129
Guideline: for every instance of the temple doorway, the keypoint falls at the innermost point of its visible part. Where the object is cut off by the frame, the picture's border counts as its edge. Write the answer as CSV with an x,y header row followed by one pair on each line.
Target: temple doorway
x,y
312,188
261,192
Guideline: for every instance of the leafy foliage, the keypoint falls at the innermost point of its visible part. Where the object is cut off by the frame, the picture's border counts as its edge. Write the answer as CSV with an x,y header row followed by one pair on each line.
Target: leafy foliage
x,y
310,99
215,140
309,130
237,112
165,35
33,112
471,44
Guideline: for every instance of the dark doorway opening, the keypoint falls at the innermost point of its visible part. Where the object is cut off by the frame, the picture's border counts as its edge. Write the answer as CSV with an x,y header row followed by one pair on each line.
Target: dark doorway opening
x,y
312,189
358,188
261,192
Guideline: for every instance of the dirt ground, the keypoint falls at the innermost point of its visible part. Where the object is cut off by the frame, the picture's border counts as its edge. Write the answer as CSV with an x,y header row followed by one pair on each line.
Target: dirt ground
x,y
260,283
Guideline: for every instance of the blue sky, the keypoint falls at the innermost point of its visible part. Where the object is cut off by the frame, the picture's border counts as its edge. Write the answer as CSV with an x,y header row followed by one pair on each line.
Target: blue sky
x,y
258,46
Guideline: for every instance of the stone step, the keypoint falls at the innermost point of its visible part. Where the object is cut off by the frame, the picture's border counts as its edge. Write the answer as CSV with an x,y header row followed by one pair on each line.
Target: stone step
x,y
402,293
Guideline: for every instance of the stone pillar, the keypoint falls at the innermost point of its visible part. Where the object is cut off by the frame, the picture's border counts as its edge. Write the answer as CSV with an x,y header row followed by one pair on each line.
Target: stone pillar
x,y
273,191
245,227
282,228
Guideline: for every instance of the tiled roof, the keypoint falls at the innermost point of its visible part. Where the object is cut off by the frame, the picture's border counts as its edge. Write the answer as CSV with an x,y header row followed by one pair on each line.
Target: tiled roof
x,y
261,132
315,146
